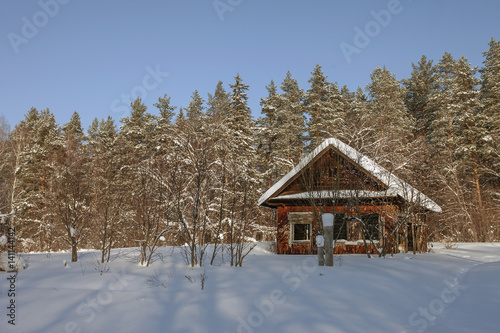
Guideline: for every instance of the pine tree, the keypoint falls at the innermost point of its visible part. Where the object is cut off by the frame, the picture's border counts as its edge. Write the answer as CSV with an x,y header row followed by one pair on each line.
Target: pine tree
x,y
441,138
242,177
421,87
335,122
189,173
318,102
457,136
387,103
107,190
357,130
194,111
164,120
138,130
180,117
270,164
347,100
36,139
166,110
440,127
362,120
219,102
469,128
490,97
70,195
290,123
240,118
392,121
7,167
74,127
137,158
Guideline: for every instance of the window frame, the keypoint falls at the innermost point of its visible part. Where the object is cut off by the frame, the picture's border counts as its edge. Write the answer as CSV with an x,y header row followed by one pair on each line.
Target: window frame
x,y
307,232
345,221
375,224
303,218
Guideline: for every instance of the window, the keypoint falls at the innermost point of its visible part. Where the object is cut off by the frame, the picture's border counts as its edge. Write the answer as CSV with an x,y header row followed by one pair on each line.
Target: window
x,y
339,227
300,226
301,232
371,226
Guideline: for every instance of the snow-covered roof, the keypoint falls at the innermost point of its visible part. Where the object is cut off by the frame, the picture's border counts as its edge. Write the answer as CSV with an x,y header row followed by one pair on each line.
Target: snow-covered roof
x,y
395,186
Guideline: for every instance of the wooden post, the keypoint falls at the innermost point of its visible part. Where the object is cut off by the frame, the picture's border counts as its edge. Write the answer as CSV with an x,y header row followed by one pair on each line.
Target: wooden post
x,y
320,242
328,231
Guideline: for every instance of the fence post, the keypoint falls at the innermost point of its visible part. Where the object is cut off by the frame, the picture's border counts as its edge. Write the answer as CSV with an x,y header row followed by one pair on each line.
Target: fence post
x,y
328,231
320,241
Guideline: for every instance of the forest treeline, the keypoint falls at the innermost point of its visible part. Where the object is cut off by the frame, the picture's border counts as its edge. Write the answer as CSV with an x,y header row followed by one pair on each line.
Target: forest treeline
x,y
192,176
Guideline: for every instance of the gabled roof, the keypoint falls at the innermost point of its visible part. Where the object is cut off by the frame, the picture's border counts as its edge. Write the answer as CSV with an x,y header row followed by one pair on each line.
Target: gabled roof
x,y
395,187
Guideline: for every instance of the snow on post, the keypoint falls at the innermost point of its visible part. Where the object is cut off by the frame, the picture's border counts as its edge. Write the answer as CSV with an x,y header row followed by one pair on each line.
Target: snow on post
x,y
320,240
327,220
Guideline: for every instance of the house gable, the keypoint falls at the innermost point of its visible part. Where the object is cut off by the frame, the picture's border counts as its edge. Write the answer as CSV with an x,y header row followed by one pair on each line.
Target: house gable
x,y
331,171
355,174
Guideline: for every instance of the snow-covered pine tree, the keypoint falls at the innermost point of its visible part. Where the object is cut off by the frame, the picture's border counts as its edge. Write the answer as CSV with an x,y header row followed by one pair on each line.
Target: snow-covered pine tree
x,y
469,130
336,124
361,124
347,100
441,138
216,127
420,90
70,195
137,133
218,103
194,111
387,104
290,124
270,165
392,122
180,116
458,142
145,202
7,168
354,124
240,118
163,123
318,103
107,188
191,184
242,175
36,141
167,111
440,135
490,97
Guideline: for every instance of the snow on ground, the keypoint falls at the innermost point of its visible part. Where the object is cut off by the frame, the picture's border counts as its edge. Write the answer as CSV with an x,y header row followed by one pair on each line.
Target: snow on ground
x,y
455,290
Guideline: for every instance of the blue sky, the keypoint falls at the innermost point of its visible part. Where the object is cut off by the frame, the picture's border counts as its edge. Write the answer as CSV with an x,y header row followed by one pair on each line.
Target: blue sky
x,y
94,56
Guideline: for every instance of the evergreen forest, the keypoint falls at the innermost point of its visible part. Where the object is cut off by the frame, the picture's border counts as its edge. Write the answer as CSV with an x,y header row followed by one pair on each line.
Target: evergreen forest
x,y
192,175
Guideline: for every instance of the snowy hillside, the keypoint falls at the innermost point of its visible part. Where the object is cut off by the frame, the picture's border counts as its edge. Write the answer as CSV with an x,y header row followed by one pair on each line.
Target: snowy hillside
x,y
453,290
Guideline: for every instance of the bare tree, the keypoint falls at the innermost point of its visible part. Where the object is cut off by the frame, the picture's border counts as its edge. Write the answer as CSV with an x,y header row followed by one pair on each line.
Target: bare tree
x,y
189,185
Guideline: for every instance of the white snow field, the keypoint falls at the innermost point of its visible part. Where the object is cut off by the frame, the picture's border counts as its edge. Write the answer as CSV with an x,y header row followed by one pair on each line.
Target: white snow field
x,y
455,290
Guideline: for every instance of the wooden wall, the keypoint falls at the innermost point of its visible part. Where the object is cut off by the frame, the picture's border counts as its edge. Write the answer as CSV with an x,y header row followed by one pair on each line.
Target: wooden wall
x,y
388,212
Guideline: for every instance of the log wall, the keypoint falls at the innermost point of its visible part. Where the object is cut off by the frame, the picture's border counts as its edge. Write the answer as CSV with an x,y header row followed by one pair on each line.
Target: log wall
x,y
285,246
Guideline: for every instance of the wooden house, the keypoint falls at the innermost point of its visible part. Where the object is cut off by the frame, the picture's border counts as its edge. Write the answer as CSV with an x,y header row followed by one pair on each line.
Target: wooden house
x,y
374,210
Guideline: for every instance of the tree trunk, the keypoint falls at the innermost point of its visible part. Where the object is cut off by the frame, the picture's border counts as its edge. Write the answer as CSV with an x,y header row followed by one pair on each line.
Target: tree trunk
x,y
328,231
321,256
74,252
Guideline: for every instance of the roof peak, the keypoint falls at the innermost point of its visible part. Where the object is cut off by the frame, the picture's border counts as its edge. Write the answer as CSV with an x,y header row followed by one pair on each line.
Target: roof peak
x,y
395,186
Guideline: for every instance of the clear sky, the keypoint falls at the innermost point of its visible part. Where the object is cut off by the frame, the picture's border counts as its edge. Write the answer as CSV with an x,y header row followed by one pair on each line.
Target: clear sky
x,y
94,56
